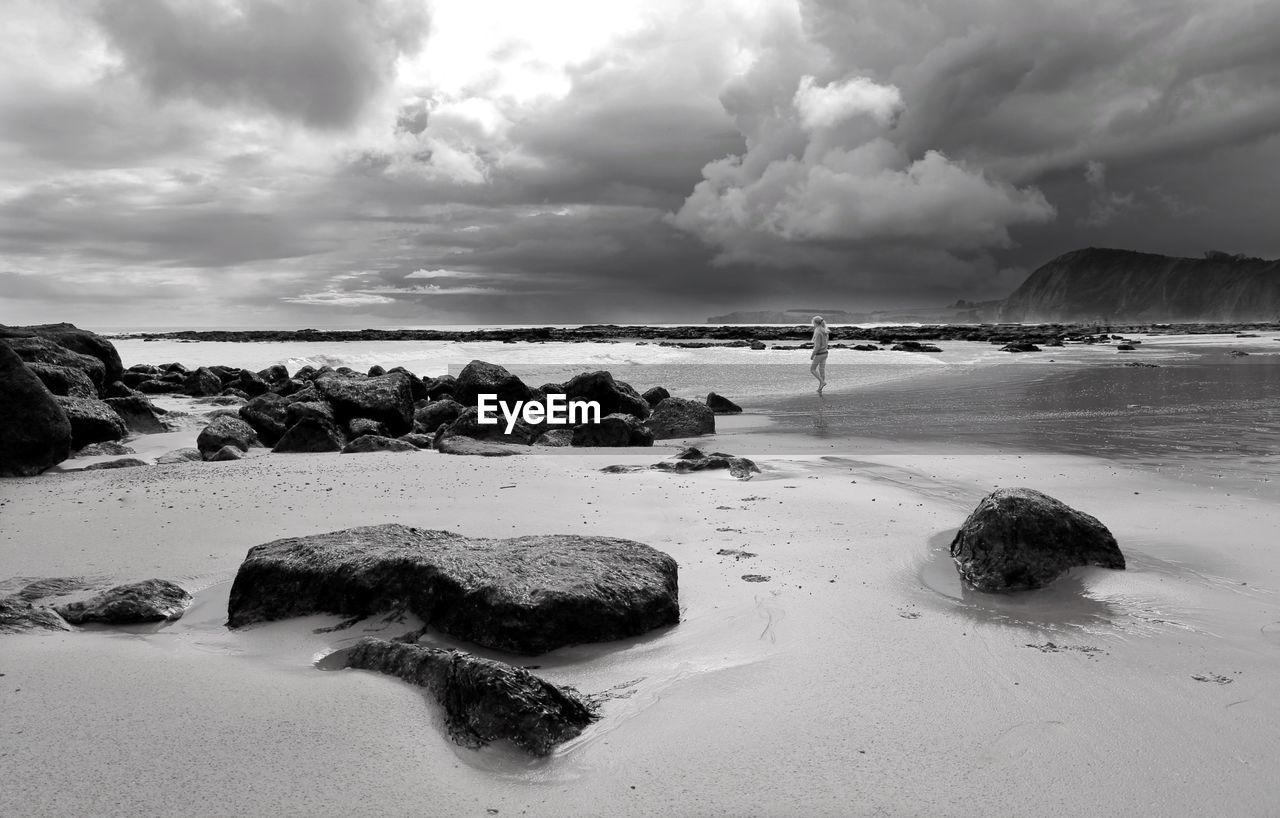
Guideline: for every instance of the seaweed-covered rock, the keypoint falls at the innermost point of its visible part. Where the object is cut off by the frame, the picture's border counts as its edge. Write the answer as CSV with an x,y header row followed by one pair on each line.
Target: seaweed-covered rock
x,y
613,396
268,415
721,405
618,429
151,600
92,421
377,443
34,431
524,594
225,431
387,399
1020,539
484,700
310,434
483,378
680,417
139,414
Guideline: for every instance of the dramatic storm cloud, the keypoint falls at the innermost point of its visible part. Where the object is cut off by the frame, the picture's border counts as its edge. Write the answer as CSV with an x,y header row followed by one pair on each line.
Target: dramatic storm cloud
x,y
270,162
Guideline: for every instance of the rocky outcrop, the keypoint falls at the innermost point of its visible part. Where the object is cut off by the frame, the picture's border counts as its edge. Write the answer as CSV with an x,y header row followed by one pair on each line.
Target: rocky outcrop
x,y
1019,346
483,378
618,429
35,433
484,700
225,431
311,434
1020,539
377,443
44,351
387,399
139,414
152,600
92,421
721,405
613,396
680,417
76,340
525,595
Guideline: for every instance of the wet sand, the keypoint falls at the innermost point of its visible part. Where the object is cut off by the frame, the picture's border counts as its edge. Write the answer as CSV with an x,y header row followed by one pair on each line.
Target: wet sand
x,y
859,679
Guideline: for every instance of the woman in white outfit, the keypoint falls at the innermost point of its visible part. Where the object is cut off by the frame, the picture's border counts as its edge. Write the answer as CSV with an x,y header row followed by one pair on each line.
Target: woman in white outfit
x,y
818,360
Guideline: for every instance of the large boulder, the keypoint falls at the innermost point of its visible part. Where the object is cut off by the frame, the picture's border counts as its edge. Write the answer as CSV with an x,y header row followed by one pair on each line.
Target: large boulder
x,y
1020,539
64,380
525,594
202,383
386,398
268,415
274,375
251,383
441,387
151,600
225,431
377,443
310,434
484,700
428,417
483,378
91,420
681,417
618,429
77,340
35,433
656,395
35,350
613,396
139,414
721,405
298,410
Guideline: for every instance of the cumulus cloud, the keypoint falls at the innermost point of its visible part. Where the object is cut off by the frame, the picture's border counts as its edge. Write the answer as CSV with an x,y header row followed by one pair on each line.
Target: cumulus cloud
x,y
824,106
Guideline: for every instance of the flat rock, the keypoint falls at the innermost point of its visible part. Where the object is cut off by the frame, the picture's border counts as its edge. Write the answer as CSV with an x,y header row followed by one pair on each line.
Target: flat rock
x,y
119,463
418,441
693,459
1020,539
107,447
377,443
18,615
179,456
680,417
151,600
525,595
456,444
484,700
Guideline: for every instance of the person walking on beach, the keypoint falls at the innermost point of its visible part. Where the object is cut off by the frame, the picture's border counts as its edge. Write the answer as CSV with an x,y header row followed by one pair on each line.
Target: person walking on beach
x,y
818,360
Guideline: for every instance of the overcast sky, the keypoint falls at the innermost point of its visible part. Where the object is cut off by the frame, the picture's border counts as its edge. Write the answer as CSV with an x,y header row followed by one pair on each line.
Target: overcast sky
x,y
335,162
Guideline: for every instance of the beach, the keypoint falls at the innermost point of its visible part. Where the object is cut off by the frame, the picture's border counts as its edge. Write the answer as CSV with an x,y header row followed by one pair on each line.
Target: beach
x,y
858,677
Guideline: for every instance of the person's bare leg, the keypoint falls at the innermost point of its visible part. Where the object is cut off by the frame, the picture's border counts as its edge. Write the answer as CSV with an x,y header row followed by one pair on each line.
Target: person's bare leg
x,y
822,374
813,370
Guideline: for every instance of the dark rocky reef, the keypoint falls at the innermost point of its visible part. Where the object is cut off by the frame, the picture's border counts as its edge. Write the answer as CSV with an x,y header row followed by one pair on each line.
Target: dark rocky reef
x,y
526,595
484,700
1020,539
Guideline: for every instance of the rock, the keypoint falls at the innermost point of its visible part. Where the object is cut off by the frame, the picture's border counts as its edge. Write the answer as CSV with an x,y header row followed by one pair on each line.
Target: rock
x,y
618,429
268,415
387,399
613,396
377,443
915,346
693,459
455,444
722,405
251,383
35,433
139,414
290,386
1125,347
558,437
468,425
35,350
480,377
526,595
1019,539
376,371
79,341
225,431
1235,353
427,418
64,380
117,389
179,456
310,434
202,383
152,600
655,396
1019,346
228,452
92,421
484,700
158,387
318,409
18,615
119,463
680,417
274,375
358,427
758,345
441,387
417,440
106,448
1142,364
865,348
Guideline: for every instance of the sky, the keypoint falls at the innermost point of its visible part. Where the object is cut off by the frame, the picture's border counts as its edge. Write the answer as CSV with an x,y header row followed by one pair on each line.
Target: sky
x,y
278,163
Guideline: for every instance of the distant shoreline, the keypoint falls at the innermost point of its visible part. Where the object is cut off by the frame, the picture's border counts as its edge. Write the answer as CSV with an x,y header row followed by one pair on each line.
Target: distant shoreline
x,y
717,335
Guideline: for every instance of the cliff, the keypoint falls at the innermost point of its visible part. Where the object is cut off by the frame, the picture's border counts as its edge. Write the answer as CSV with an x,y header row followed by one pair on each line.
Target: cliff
x,y
1126,286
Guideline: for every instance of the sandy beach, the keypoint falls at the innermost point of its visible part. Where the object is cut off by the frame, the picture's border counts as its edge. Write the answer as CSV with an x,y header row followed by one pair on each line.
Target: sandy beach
x,y
859,678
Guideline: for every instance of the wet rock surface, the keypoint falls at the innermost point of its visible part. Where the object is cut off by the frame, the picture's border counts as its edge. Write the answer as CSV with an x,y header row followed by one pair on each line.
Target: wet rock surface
x,y
1020,539
525,595
484,700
